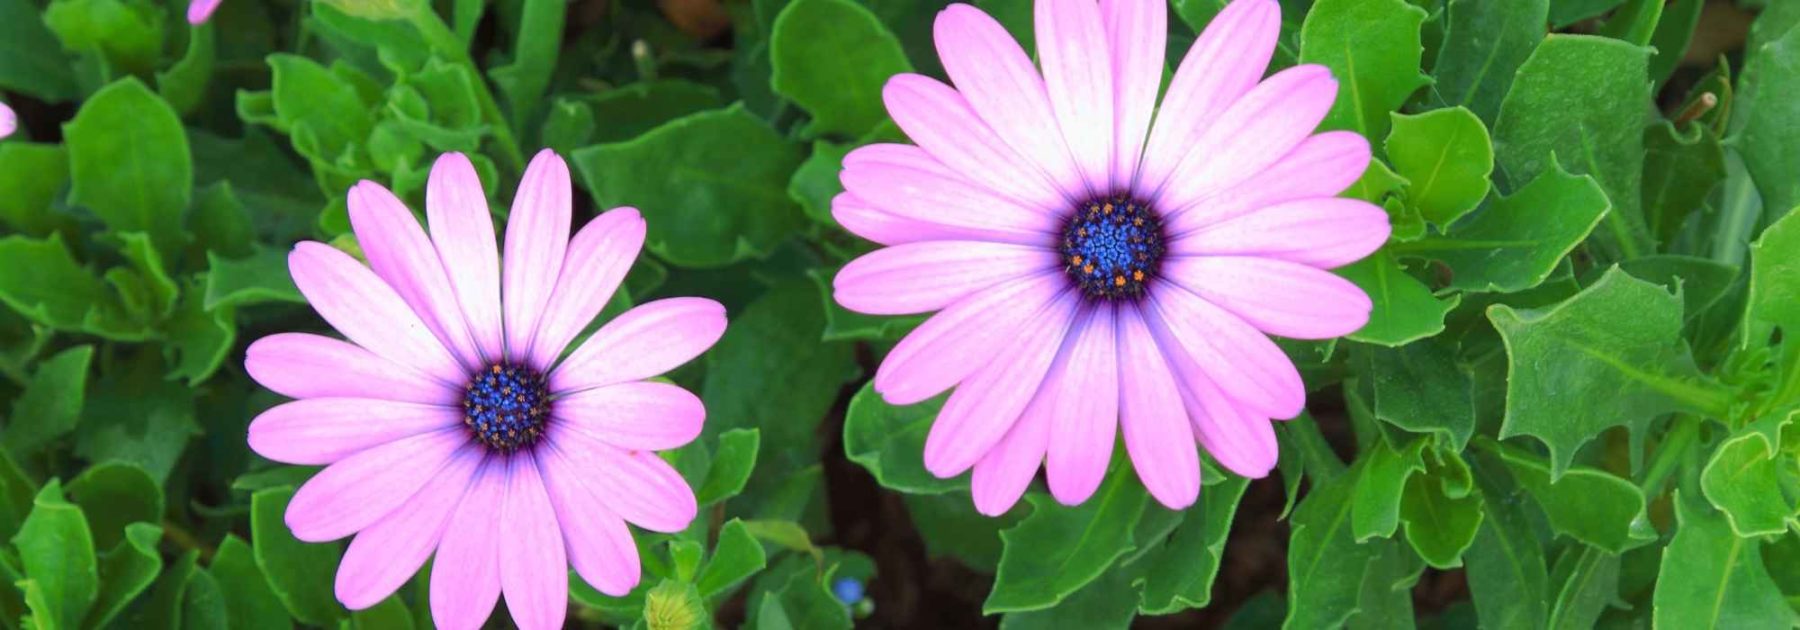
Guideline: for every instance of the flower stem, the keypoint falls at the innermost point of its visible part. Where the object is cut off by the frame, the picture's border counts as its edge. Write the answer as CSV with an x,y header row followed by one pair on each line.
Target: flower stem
x,y
1669,453
1315,453
186,540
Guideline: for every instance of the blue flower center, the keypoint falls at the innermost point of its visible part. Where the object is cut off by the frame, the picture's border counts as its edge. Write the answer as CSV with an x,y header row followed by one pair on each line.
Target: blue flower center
x,y
1112,247
505,406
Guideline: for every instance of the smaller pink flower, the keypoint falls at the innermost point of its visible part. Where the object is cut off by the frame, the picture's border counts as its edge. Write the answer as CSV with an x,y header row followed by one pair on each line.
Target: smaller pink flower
x,y
9,122
451,421
200,10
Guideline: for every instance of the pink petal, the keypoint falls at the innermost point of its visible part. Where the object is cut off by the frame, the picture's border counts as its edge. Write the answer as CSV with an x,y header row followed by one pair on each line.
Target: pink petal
x,y
1241,442
534,568
1243,362
1157,435
944,199
954,343
1080,395
9,121
599,544
368,311
537,234
198,12
385,555
1322,166
465,577
1078,76
997,78
1224,63
1136,32
924,277
320,431
1258,130
637,485
640,416
597,261
940,120
1276,296
864,219
1321,232
301,365
895,154
400,253
984,407
650,339
462,229
360,489
1002,475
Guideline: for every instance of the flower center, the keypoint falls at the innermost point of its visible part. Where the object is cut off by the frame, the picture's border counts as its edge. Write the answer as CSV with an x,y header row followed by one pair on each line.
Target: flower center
x,y
1112,246
505,406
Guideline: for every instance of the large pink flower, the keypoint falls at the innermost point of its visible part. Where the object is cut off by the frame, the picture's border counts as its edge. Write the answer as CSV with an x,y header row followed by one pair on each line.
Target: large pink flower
x,y
448,422
1094,270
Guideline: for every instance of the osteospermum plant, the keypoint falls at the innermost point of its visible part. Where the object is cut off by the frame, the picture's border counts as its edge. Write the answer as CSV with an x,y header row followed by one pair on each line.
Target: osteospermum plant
x,y
1311,313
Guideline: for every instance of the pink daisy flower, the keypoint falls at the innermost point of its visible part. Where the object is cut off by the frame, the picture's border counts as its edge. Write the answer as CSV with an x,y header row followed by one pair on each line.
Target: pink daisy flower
x,y
1096,272
447,422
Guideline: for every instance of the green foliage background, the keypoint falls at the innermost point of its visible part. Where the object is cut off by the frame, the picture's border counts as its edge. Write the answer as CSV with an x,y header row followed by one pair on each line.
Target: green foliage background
x,y
1577,402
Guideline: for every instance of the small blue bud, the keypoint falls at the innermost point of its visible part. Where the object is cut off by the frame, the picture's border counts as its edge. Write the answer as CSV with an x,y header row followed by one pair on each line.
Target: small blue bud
x,y
847,590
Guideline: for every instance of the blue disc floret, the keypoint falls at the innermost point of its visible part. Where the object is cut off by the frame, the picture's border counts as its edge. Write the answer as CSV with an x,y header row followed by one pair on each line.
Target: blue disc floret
x,y
1112,247
505,406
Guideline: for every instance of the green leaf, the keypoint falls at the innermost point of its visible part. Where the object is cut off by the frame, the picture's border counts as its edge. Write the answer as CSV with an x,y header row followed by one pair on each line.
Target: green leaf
x,y
249,601
1484,44
1057,549
125,571
50,407
951,527
1107,602
1375,505
735,557
1325,563
1405,310
889,441
815,183
1775,281
32,175
1710,578
1680,171
1610,356
31,60
1566,12
390,613
116,36
1587,504
199,338
1766,126
1517,242
1421,388
16,494
713,186
1180,575
1446,156
771,372
136,415
1440,510
259,279
42,281
129,163
832,57
731,466
1589,581
1505,565
1673,33
1373,48
300,574
1744,478
220,223
1582,100
57,554
115,495
633,109
321,109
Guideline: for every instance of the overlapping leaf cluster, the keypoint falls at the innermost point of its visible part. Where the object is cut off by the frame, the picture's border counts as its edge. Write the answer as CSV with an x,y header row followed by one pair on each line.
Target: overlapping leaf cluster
x,y
1580,386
